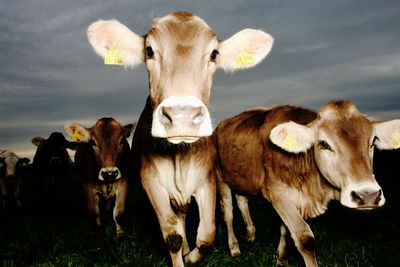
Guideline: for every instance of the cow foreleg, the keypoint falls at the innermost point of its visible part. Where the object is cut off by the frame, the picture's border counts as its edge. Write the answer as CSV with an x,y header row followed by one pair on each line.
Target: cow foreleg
x,y
3,194
243,205
92,201
300,231
17,191
170,225
119,209
185,246
227,212
205,198
282,247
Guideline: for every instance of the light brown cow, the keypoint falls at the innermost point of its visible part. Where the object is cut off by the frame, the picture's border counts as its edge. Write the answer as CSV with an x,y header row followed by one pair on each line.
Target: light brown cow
x,y
181,54
103,161
299,161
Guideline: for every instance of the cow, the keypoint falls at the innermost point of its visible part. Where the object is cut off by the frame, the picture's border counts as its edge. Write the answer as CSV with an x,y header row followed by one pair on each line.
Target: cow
x,y
299,161
10,179
102,161
50,164
170,145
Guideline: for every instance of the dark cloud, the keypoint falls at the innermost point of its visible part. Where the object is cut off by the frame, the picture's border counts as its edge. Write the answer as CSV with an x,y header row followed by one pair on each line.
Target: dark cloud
x,y
323,50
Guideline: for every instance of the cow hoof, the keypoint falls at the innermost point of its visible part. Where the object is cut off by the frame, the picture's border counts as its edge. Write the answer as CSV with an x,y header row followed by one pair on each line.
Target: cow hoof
x,y
235,252
251,235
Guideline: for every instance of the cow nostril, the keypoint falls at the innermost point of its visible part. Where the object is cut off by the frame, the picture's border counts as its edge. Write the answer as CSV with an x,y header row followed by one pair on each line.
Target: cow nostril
x,y
199,117
165,117
356,197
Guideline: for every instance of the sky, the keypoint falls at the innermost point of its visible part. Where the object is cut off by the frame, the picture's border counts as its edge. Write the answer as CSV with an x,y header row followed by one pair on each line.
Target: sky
x,y
323,50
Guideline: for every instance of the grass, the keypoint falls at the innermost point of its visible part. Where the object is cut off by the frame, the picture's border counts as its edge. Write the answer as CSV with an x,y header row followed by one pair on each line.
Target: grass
x,y
32,237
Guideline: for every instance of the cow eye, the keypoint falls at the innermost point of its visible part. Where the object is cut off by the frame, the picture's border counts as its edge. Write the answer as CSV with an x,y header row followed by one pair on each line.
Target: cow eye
x,y
324,145
149,51
214,54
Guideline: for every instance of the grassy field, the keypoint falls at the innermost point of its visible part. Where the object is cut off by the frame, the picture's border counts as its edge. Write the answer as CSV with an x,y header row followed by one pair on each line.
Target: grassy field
x,y
31,236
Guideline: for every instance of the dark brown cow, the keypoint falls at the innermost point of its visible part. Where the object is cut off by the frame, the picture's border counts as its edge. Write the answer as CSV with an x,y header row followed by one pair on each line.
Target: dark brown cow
x,y
299,161
103,165
50,164
10,179
181,54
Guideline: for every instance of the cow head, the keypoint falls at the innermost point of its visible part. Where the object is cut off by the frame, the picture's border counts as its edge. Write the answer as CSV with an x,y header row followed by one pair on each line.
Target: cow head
x,y
343,141
108,140
9,165
52,153
181,54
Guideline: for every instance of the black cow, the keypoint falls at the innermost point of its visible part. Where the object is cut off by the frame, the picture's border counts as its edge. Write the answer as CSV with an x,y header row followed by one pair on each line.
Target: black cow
x,y
50,165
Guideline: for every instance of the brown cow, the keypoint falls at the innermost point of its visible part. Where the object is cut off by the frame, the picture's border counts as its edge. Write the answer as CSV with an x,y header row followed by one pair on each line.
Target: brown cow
x,y
181,54
299,161
103,165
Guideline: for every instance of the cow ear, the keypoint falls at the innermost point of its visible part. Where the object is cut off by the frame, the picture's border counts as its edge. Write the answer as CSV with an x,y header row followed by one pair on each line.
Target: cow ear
x,y
388,134
128,129
111,36
77,132
292,137
244,50
38,141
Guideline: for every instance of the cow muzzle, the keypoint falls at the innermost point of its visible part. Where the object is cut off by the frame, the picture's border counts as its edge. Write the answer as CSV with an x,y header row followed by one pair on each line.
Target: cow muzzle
x,y
109,174
363,197
181,119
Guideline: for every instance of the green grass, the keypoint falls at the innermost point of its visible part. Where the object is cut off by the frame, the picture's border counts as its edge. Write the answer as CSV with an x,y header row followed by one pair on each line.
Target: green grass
x,y
32,237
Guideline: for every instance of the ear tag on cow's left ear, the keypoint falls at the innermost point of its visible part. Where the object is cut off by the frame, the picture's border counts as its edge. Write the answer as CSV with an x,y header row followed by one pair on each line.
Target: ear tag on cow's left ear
x,y
113,56
244,58
289,142
396,140
76,137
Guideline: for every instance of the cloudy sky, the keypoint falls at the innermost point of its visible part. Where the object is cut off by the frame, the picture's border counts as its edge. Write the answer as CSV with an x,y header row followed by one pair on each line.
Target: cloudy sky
x,y
323,50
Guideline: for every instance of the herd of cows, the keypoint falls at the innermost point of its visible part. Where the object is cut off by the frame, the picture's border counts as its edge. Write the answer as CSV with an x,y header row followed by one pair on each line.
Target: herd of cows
x,y
297,159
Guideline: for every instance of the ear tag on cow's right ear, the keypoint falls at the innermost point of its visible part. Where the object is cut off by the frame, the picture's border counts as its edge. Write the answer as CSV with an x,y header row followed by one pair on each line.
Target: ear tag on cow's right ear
x,y
113,56
289,142
396,140
76,137
244,58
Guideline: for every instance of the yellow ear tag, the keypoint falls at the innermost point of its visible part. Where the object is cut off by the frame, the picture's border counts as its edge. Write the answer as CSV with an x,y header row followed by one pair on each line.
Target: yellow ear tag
x,y
76,136
244,58
289,142
396,140
113,56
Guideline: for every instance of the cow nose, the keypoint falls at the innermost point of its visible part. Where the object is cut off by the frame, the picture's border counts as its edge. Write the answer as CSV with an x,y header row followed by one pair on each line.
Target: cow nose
x,y
109,174
366,198
185,115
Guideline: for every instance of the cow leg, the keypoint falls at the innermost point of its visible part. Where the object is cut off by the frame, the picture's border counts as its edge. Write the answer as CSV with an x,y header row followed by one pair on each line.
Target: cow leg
x,y
282,247
185,246
3,194
119,208
92,201
170,225
300,231
17,191
227,212
205,198
243,205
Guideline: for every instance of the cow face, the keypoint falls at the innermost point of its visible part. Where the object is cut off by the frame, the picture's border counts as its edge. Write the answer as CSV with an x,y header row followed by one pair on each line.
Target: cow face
x,y
9,165
343,142
108,139
181,54
52,152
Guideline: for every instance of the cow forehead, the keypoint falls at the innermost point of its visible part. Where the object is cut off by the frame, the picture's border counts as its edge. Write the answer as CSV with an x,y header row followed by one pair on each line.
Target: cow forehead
x,y
180,28
106,129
